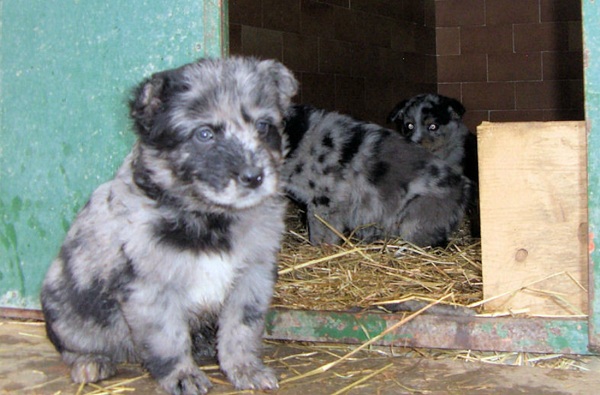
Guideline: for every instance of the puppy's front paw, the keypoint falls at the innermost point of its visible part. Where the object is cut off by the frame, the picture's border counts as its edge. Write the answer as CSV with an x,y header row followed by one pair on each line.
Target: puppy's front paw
x,y
255,376
90,369
189,381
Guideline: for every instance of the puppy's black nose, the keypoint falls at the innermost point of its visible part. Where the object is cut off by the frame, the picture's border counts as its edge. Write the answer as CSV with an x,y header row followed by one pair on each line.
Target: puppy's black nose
x,y
251,177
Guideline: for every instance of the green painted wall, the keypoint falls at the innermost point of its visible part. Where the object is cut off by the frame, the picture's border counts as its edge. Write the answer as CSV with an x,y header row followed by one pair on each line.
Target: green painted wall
x,y
591,41
66,69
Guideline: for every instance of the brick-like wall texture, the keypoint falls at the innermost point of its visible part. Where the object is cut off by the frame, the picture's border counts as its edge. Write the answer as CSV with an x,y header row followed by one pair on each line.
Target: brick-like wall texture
x,y
358,57
506,60
509,60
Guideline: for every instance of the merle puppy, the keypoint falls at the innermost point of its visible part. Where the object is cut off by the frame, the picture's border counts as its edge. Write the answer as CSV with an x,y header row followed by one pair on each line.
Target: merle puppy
x,y
180,247
362,178
435,121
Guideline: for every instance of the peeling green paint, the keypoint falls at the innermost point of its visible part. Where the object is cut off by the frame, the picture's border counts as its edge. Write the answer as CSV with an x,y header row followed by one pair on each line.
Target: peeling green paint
x,y
591,41
471,333
66,70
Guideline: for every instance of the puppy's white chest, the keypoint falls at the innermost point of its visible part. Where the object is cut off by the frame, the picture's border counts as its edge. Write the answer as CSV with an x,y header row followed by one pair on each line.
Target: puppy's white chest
x,y
211,280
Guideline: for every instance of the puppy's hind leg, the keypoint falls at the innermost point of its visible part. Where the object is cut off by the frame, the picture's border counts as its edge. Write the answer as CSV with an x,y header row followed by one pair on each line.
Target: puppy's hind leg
x,y
319,220
241,327
429,221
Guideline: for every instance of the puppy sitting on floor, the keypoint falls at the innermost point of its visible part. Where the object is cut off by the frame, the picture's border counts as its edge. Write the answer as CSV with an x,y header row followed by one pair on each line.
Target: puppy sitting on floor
x,y
178,252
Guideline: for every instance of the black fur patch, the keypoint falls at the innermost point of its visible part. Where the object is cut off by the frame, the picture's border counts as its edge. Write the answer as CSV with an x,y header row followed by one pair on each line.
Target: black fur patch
x,y
92,301
213,164
297,125
440,237
440,114
351,147
197,232
273,138
380,169
50,316
150,106
434,171
160,367
378,172
143,179
245,116
251,315
451,180
327,141
204,340
321,201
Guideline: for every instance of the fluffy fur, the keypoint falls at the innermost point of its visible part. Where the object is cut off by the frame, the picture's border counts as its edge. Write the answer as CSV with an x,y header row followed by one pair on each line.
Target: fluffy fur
x,y
435,122
362,178
178,252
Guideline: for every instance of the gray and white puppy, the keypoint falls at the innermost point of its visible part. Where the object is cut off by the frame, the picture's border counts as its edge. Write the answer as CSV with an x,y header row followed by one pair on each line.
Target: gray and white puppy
x,y
178,251
360,177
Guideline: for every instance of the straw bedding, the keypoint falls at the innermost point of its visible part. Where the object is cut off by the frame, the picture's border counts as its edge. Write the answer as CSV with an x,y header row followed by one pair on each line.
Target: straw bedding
x,y
357,275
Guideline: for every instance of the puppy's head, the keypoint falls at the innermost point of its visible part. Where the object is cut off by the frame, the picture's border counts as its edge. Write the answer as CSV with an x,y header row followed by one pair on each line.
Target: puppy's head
x,y
210,132
429,119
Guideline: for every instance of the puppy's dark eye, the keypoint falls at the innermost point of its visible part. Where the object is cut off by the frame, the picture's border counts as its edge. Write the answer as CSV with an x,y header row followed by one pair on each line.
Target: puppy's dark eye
x,y
410,126
433,127
204,134
263,126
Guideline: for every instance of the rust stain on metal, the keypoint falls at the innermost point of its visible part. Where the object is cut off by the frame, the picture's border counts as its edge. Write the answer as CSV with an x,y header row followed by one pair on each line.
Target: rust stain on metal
x,y
539,335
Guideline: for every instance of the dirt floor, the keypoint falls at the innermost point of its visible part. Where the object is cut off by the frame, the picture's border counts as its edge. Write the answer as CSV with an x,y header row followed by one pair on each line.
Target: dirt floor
x,y
30,365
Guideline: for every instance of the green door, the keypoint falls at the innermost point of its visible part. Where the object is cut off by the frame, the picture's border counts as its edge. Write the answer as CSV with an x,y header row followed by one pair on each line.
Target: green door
x,y
66,70
591,40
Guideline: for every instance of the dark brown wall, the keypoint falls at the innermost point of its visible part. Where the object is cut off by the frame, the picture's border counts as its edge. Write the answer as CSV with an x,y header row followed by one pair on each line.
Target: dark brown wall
x,y
510,60
506,60
355,56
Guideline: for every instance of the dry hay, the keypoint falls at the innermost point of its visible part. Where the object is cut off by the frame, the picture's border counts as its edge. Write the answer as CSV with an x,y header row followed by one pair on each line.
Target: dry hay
x,y
330,277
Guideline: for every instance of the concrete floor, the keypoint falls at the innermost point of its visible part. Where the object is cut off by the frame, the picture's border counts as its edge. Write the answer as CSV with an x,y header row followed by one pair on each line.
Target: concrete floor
x,y
30,365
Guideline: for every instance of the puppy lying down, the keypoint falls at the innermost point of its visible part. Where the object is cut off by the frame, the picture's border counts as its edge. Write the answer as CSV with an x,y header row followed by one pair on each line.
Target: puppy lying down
x,y
175,258
368,181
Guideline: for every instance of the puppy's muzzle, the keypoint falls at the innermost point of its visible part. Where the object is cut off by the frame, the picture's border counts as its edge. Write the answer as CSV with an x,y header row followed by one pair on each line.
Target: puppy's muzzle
x,y
251,177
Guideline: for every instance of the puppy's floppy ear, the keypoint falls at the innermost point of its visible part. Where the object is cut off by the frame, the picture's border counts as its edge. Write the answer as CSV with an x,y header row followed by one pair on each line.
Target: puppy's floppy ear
x,y
284,80
149,100
456,107
397,112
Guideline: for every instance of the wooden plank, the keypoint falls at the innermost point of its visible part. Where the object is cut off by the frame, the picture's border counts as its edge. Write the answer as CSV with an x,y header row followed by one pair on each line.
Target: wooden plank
x,y
534,216
66,70
537,335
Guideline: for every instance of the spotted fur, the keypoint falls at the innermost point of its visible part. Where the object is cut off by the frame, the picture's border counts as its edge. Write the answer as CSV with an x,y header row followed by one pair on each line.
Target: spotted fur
x,y
369,181
177,253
